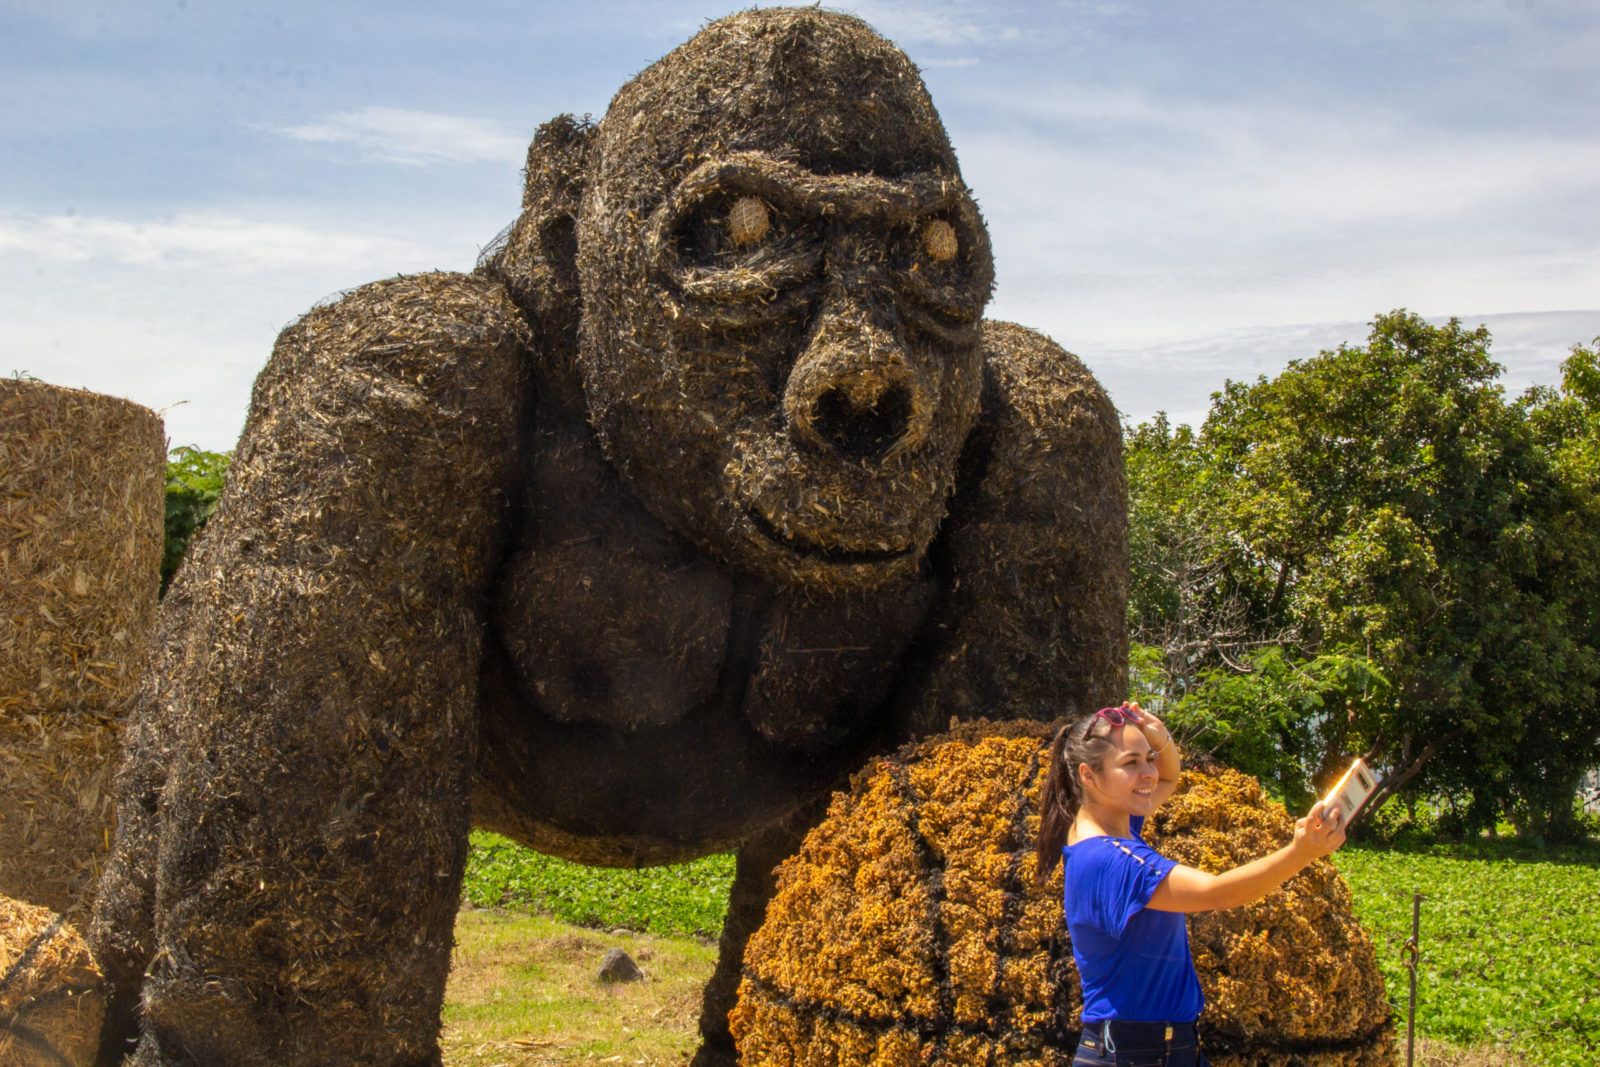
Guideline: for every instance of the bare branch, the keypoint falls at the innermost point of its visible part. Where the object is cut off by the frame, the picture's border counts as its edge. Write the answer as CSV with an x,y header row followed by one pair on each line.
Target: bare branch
x,y
1395,780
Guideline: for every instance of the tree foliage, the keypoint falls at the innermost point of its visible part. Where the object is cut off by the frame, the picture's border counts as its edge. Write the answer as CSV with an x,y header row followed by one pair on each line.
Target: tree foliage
x,y
194,485
1377,551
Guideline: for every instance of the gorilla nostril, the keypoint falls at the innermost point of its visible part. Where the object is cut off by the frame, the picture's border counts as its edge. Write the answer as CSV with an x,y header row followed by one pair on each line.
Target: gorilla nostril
x,y
862,429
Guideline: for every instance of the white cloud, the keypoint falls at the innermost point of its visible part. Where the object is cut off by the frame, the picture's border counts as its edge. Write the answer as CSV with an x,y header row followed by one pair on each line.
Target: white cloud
x,y
959,61
945,23
1176,243
1135,219
223,242
178,314
1274,163
416,138
1179,376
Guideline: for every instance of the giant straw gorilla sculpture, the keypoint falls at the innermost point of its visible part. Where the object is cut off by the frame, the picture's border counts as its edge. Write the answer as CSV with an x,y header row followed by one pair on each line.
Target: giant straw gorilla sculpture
x,y
707,485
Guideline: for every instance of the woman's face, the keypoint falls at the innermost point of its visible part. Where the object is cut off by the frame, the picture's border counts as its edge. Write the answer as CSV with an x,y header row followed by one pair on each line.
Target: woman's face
x,y
1126,778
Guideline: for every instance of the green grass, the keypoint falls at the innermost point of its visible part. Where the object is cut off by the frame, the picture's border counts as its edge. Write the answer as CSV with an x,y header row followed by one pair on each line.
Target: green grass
x,y
523,992
685,899
1510,942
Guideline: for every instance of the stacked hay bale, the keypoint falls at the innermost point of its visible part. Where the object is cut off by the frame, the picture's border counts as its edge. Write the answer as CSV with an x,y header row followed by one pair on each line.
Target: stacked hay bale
x,y
909,928
80,548
52,1002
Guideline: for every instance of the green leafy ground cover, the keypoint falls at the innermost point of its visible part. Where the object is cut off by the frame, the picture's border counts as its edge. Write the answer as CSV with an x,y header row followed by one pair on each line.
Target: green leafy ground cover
x,y
1510,944
688,899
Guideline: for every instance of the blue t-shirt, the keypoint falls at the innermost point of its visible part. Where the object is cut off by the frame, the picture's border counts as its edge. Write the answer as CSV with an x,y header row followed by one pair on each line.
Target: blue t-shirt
x,y
1134,963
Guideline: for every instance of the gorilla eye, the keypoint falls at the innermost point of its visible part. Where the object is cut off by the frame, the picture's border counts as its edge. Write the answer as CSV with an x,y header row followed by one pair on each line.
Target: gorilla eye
x,y
939,241
737,247
720,230
748,221
942,264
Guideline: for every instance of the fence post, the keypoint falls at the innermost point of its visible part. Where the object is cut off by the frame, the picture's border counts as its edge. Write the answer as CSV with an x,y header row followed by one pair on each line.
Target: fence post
x,y
1413,953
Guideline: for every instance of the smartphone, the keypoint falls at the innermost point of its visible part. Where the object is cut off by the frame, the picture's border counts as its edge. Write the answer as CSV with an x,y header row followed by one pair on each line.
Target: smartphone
x,y
1351,792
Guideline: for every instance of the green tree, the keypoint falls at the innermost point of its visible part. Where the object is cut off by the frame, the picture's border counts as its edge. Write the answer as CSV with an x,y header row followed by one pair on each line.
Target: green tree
x,y
1194,602
1376,552
194,485
1561,737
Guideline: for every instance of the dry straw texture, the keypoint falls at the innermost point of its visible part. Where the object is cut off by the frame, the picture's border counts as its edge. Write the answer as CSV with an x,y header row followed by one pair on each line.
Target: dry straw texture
x,y
295,781
909,930
51,996
850,452
1037,615
80,543
80,546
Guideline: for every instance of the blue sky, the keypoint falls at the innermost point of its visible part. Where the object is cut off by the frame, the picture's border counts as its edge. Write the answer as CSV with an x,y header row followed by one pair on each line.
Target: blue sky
x,y
1180,193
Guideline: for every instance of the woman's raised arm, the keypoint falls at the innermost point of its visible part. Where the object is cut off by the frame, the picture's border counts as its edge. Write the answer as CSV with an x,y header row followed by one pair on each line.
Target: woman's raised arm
x,y
1186,889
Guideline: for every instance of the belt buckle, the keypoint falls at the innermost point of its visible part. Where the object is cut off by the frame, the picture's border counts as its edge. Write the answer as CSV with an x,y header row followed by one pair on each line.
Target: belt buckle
x,y
1169,1035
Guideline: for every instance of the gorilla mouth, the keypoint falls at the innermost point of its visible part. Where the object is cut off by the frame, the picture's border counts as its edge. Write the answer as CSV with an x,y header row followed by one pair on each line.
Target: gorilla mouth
x,y
826,553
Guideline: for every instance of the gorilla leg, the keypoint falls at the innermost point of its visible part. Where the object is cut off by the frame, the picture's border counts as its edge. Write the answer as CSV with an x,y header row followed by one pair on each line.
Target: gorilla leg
x,y
296,797
754,882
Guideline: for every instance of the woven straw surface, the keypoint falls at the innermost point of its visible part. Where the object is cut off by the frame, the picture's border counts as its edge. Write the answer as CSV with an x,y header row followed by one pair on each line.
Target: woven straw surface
x,y
295,784
80,545
80,541
51,995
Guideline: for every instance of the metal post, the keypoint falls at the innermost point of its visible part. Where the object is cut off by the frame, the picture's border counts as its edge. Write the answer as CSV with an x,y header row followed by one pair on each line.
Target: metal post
x,y
1413,955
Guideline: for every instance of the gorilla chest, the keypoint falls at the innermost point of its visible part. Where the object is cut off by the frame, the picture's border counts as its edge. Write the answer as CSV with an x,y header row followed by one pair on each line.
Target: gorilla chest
x,y
610,620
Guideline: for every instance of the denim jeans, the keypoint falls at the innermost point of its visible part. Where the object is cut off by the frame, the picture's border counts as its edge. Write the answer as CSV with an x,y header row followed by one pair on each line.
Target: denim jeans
x,y
1143,1049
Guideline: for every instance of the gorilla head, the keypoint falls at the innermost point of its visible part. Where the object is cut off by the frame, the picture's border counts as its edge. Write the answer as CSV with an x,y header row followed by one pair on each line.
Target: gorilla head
x,y
782,278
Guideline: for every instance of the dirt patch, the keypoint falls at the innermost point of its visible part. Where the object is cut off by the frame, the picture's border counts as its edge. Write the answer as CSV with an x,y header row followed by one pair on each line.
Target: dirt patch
x,y
522,991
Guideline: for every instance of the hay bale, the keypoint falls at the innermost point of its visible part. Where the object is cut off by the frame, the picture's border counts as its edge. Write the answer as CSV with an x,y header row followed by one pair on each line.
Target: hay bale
x,y
52,998
80,547
80,543
908,929
56,808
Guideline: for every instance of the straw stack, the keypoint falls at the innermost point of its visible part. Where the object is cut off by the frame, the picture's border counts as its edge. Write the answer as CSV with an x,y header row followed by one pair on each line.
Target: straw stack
x,y
52,1000
80,546
909,928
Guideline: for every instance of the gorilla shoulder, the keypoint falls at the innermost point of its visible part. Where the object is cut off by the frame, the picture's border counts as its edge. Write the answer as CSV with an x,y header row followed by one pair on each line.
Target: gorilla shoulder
x,y
439,331
1035,547
1046,424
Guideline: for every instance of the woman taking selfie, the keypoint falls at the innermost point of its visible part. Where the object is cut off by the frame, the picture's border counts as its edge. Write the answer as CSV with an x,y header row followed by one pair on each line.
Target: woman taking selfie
x,y
1124,901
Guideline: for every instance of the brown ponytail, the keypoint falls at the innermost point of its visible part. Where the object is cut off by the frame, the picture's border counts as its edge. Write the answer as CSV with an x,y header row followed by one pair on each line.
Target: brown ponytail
x,y
1085,741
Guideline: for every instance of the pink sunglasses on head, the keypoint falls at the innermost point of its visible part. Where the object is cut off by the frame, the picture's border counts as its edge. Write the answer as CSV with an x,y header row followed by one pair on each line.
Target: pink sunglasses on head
x,y
1120,716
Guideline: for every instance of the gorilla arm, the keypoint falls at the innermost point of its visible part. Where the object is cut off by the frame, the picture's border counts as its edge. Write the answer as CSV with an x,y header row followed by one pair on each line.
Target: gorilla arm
x,y
293,808
1034,552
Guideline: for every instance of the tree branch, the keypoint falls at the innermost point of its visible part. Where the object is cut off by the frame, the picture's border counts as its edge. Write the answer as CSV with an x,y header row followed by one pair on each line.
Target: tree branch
x,y
1392,783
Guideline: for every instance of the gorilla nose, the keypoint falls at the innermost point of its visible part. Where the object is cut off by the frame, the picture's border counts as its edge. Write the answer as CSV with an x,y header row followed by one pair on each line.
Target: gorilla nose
x,y
863,423
856,392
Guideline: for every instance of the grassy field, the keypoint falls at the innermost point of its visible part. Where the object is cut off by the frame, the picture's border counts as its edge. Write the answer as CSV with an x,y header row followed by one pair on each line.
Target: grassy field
x,y
523,991
1510,945
1509,974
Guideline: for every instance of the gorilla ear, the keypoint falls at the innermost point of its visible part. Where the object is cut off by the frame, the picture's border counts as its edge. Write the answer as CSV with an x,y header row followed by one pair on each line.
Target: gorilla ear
x,y
537,257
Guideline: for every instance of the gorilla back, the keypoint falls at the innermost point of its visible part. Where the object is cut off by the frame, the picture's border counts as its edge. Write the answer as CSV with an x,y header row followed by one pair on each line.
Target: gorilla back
x,y
711,483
